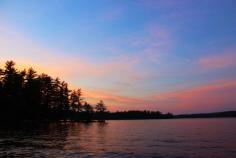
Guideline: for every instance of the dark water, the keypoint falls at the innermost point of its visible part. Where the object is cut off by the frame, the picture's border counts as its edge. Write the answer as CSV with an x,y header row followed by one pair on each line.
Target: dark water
x,y
183,138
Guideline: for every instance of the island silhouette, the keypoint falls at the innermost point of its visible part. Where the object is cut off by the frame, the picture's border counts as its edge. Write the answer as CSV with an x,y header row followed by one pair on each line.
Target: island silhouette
x,y
28,96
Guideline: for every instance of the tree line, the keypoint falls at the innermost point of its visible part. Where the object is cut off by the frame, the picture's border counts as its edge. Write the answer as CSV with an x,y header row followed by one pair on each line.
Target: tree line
x,y
26,95
29,96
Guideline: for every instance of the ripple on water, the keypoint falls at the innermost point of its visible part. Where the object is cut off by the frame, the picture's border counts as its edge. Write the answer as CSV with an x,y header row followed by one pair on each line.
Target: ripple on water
x,y
124,139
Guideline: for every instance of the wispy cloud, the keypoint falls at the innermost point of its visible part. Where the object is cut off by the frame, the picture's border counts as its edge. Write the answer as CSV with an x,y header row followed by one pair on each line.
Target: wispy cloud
x,y
153,42
112,13
122,71
216,96
79,71
221,60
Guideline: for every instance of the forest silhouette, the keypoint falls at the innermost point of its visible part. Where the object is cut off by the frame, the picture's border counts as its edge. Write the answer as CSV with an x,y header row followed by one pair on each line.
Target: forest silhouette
x,y
26,95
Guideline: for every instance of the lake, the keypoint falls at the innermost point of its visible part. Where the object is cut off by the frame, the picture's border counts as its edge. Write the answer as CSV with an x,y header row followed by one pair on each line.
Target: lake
x,y
174,138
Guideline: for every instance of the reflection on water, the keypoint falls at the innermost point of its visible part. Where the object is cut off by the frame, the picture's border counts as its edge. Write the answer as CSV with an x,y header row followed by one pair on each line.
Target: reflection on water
x,y
190,138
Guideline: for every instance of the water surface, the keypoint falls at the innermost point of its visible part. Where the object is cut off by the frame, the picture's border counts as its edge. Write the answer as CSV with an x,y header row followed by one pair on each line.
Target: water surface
x,y
176,138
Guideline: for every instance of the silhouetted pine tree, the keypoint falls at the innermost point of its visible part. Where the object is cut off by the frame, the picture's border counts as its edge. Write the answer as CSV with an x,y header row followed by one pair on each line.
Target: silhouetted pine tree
x,y
32,95
88,108
100,107
76,100
12,86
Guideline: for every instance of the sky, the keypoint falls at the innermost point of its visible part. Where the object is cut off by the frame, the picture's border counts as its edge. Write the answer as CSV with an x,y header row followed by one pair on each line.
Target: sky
x,y
167,55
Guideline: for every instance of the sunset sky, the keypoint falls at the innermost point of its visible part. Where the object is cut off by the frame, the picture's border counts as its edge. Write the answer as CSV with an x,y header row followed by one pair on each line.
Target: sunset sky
x,y
175,56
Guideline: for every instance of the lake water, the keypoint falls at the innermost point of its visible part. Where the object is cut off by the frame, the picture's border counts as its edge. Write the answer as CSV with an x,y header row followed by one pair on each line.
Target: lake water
x,y
176,138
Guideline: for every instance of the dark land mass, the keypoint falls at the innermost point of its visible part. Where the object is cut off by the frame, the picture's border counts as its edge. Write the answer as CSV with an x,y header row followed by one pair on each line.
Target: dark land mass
x,y
208,115
26,96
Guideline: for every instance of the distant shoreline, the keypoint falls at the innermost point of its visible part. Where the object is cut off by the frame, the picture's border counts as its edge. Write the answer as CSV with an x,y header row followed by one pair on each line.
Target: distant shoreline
x,y
208,115
224,114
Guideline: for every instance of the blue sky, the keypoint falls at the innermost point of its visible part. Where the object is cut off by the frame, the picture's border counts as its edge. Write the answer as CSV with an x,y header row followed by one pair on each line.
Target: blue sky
x,y
134,54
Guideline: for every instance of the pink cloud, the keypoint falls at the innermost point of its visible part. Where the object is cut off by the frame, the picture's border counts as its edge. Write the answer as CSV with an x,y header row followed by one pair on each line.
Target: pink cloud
x,y
223,60
211,97
215,96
